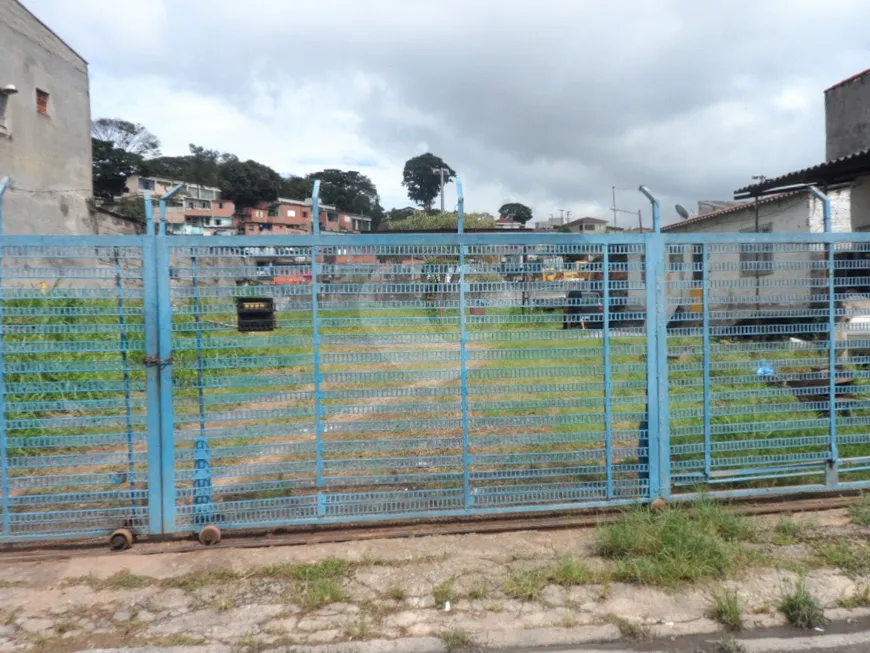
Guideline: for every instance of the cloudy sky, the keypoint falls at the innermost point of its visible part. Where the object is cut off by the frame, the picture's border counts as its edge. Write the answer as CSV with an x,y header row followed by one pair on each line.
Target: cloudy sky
x,y
546,102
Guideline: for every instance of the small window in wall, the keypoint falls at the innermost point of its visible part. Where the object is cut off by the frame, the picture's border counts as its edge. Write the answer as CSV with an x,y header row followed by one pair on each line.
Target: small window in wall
x,y
588,227
291,213
146,184
756,259
41,102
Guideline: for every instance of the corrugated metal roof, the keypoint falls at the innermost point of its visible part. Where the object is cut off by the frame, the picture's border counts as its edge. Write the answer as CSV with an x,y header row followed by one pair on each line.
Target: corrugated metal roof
x,y
732,209
848,80
851,164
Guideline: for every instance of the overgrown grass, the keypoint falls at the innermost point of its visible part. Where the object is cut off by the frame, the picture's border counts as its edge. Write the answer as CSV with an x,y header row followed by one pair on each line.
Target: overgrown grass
x,y
726,610
850,556
728,644
860,599
529,584
122,580
860,511
525,584
801,608
457,639
675,545
443,594
787,531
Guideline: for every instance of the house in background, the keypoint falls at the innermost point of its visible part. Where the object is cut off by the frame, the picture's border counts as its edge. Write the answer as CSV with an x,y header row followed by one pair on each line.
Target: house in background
x,y
287,216
45,128
589,226
283,216
196,210
844,176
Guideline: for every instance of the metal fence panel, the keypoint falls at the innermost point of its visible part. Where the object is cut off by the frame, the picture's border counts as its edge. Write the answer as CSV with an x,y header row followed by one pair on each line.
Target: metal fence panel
x,y
76,329
422,375
405,380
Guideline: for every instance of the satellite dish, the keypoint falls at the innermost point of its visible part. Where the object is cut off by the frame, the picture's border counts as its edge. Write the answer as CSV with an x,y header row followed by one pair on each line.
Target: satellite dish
x,y
682,212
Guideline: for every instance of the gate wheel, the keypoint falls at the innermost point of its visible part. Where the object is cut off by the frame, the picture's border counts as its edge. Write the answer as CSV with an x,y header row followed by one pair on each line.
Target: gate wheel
x,y
121,540
209,535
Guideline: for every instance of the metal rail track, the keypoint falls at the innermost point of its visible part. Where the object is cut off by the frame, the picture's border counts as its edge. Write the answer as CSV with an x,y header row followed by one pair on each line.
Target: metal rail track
x,y
331,534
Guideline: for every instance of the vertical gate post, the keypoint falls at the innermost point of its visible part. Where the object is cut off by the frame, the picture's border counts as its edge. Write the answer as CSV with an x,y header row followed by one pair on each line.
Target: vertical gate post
x,y
5,183
832,472
658,411
608,382
164,367
152,372
463,355
318,371
705,299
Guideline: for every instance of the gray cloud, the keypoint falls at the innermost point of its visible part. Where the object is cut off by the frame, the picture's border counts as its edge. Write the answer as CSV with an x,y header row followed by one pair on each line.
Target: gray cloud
x,y
549,101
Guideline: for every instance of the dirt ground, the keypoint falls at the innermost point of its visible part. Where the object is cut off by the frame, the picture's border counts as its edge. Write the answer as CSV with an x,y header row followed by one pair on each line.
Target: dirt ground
x,y
455,591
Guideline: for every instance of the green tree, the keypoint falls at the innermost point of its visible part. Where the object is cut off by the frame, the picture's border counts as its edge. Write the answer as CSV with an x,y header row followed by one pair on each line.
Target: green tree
x,y
347,190
127,136
422,183
201,166
248,182
296,188
422,221
110,168
516,212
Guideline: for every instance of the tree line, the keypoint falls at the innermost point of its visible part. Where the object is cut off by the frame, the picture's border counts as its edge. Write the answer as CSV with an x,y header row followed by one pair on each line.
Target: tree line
x,y
122,148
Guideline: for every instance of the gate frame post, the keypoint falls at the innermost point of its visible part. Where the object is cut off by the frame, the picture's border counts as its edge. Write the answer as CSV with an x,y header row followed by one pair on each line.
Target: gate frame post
x,y
6,527
658,406
832,471
152,373
164,367
467,459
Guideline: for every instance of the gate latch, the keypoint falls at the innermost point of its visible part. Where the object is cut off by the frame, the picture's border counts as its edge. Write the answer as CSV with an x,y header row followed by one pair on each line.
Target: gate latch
x,y
156,361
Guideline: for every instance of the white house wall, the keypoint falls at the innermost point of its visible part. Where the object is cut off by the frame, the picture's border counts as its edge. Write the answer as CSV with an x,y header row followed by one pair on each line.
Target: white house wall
x,y
732,289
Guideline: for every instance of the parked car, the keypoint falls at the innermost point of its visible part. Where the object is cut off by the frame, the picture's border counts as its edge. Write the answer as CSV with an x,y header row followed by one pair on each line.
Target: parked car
x,y
584,309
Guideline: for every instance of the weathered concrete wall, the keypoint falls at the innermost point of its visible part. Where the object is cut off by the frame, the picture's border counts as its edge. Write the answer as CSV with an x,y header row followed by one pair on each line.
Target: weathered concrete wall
x,y
841,212
47,156
860,204
110,224
847,117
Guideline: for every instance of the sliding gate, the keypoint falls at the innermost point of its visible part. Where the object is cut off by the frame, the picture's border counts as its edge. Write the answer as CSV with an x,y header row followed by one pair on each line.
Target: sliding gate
x,y
400,376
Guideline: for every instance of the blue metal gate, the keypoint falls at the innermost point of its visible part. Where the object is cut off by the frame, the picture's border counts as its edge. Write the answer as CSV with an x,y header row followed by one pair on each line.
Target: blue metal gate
x,y
409,375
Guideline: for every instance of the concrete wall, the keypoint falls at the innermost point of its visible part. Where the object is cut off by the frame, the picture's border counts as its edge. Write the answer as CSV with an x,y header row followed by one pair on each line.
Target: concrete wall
x,y
847,117
860,204
739,289
841,212
47,156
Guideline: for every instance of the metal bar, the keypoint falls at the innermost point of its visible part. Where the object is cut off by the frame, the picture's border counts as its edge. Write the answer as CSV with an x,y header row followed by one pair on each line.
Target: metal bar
x,y
319,425
834,462
656,209
152,372
125,362
460,222
652,257
705,298
5,183
165,380
608,389
203,498
233,243
463,358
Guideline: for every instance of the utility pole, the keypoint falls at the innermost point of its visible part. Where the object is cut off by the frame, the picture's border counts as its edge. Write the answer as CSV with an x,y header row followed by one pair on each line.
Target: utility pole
x,y
440,172
613,188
